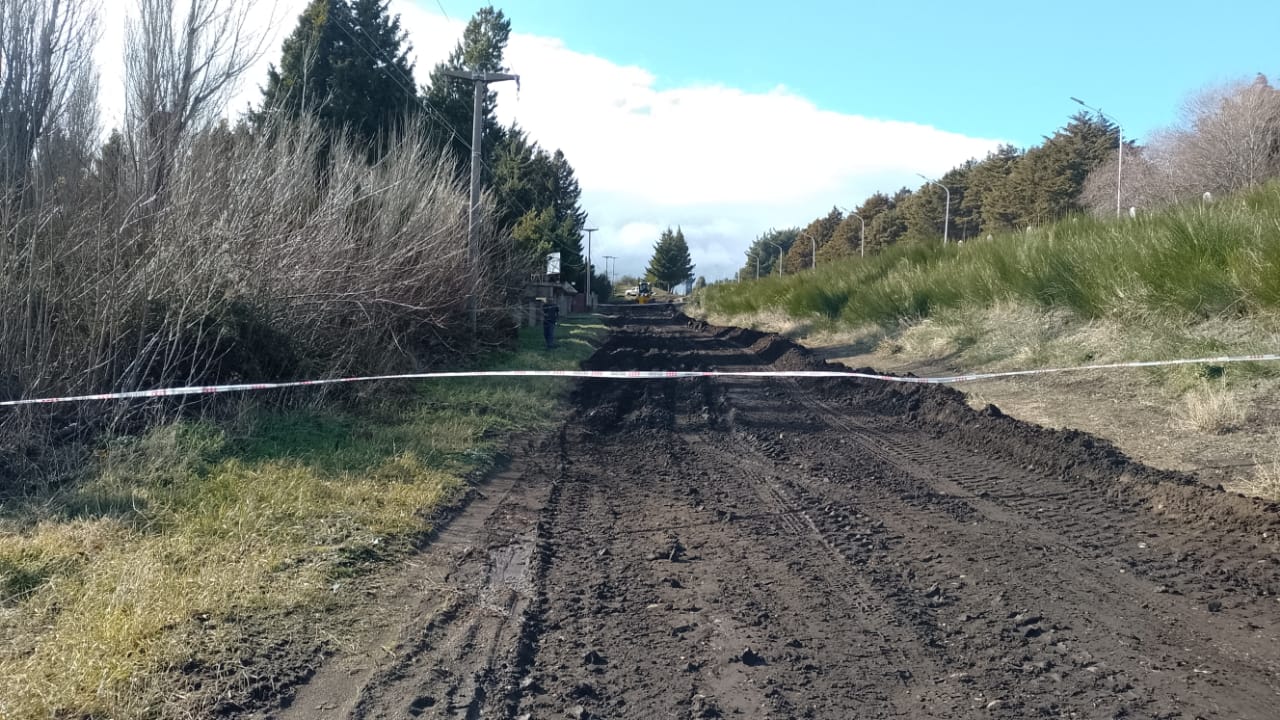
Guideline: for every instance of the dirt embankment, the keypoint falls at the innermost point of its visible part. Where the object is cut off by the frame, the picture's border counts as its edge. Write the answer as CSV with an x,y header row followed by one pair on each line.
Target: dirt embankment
x,y
813,548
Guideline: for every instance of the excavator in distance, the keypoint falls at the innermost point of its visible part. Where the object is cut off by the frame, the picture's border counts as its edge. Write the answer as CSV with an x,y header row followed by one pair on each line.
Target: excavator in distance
x,y
642,293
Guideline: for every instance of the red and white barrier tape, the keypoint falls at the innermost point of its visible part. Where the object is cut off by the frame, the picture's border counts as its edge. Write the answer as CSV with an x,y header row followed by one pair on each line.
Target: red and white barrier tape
x,y
632,375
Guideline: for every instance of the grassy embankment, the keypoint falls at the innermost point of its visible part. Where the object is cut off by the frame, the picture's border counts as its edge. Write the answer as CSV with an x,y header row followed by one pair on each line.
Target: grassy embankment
x,y
1191,281
115,592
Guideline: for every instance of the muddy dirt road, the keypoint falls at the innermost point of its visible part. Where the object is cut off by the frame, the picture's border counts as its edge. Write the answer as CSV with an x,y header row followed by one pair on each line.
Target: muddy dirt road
x,y
818,549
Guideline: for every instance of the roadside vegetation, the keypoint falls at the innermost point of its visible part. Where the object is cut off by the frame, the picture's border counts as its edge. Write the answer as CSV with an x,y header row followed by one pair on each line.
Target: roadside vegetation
x,y
1050,262
150,551
1193,280
1188,264
124,595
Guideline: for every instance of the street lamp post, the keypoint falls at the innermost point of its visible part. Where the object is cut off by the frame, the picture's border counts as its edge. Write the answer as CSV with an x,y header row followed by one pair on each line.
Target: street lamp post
x,y
813,250
862,234
1119,148
779,256
586,299
946,218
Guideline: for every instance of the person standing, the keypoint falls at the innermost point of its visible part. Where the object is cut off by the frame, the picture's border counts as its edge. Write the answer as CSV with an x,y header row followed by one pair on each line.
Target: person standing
x,y
550,316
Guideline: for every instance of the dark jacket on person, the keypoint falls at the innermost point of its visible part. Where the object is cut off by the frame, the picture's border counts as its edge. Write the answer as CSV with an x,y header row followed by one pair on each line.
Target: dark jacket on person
x,y
550,313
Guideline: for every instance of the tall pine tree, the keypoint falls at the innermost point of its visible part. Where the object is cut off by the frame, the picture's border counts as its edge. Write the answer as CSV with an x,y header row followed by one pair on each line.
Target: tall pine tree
x,y
538,195
670,264
346,63
453,99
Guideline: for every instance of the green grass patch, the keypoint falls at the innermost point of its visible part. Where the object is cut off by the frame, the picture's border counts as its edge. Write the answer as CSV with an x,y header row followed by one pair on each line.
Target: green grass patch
x,y
106,588
1184,264
1189,281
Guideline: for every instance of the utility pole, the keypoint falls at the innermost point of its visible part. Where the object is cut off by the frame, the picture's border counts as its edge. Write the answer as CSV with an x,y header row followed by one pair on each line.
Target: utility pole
x,y
586,298
481,80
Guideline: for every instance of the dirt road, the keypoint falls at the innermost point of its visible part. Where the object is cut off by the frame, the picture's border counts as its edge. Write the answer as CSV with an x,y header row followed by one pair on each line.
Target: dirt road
x,y
824,549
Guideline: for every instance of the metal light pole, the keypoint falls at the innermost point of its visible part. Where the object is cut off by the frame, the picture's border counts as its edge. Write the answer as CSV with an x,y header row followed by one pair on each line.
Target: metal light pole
x,y
586,299
813,250
481,80
1119,148
862,236
946,218
779,256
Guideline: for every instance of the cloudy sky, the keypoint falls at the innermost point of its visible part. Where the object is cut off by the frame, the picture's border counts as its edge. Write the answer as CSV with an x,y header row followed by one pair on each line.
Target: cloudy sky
x,y
728,118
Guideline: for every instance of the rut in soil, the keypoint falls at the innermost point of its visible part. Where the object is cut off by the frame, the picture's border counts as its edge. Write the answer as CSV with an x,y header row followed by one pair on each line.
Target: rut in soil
x,y
818,548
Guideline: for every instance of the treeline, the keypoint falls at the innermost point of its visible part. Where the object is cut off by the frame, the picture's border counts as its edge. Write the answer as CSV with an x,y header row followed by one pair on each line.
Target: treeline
x,y
1228,138
323,233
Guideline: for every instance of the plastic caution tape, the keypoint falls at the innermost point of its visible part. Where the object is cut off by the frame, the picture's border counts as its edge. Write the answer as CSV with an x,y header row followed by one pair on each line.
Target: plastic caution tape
x,y
631,375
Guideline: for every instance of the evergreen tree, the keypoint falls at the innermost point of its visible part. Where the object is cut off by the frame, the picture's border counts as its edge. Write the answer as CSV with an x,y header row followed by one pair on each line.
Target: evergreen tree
x,y
347,64
843,242
985,180
538,194
925,211
1045,183
453,99
765,248
800,255
601,285
671,264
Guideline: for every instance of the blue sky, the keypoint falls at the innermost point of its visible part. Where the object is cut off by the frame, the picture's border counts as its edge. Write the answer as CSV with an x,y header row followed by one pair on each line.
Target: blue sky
x,y
731,118
987,69
979,73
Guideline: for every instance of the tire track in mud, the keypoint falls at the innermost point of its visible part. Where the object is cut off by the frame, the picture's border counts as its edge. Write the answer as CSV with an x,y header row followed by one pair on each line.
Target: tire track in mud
x,y
809,549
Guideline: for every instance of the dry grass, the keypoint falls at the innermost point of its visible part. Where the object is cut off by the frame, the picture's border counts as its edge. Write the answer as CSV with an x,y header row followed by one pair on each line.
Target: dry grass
x,y
1264,483
109,600
1212,408
108,590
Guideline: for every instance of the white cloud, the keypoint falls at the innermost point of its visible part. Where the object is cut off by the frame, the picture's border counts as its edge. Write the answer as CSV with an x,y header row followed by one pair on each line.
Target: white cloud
x,y
722,163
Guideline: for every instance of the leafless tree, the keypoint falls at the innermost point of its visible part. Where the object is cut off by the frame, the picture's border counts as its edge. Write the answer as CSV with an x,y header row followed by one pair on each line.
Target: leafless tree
x,y
1228,139
1146,183
181,64
46,53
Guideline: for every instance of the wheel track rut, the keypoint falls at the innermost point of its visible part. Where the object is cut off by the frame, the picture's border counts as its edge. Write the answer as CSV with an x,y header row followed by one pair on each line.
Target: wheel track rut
x,y
813,549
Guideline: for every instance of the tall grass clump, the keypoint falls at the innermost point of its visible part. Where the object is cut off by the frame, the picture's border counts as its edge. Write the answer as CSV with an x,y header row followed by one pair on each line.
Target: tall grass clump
x,y
1186,264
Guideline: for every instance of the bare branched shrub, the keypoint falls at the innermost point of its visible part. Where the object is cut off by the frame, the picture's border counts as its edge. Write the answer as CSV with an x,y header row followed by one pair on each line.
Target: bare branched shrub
x,y
264,263
1144,184
1228,139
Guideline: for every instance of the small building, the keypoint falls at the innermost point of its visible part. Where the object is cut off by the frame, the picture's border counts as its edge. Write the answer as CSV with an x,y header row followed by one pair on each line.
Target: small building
x,y
536,292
